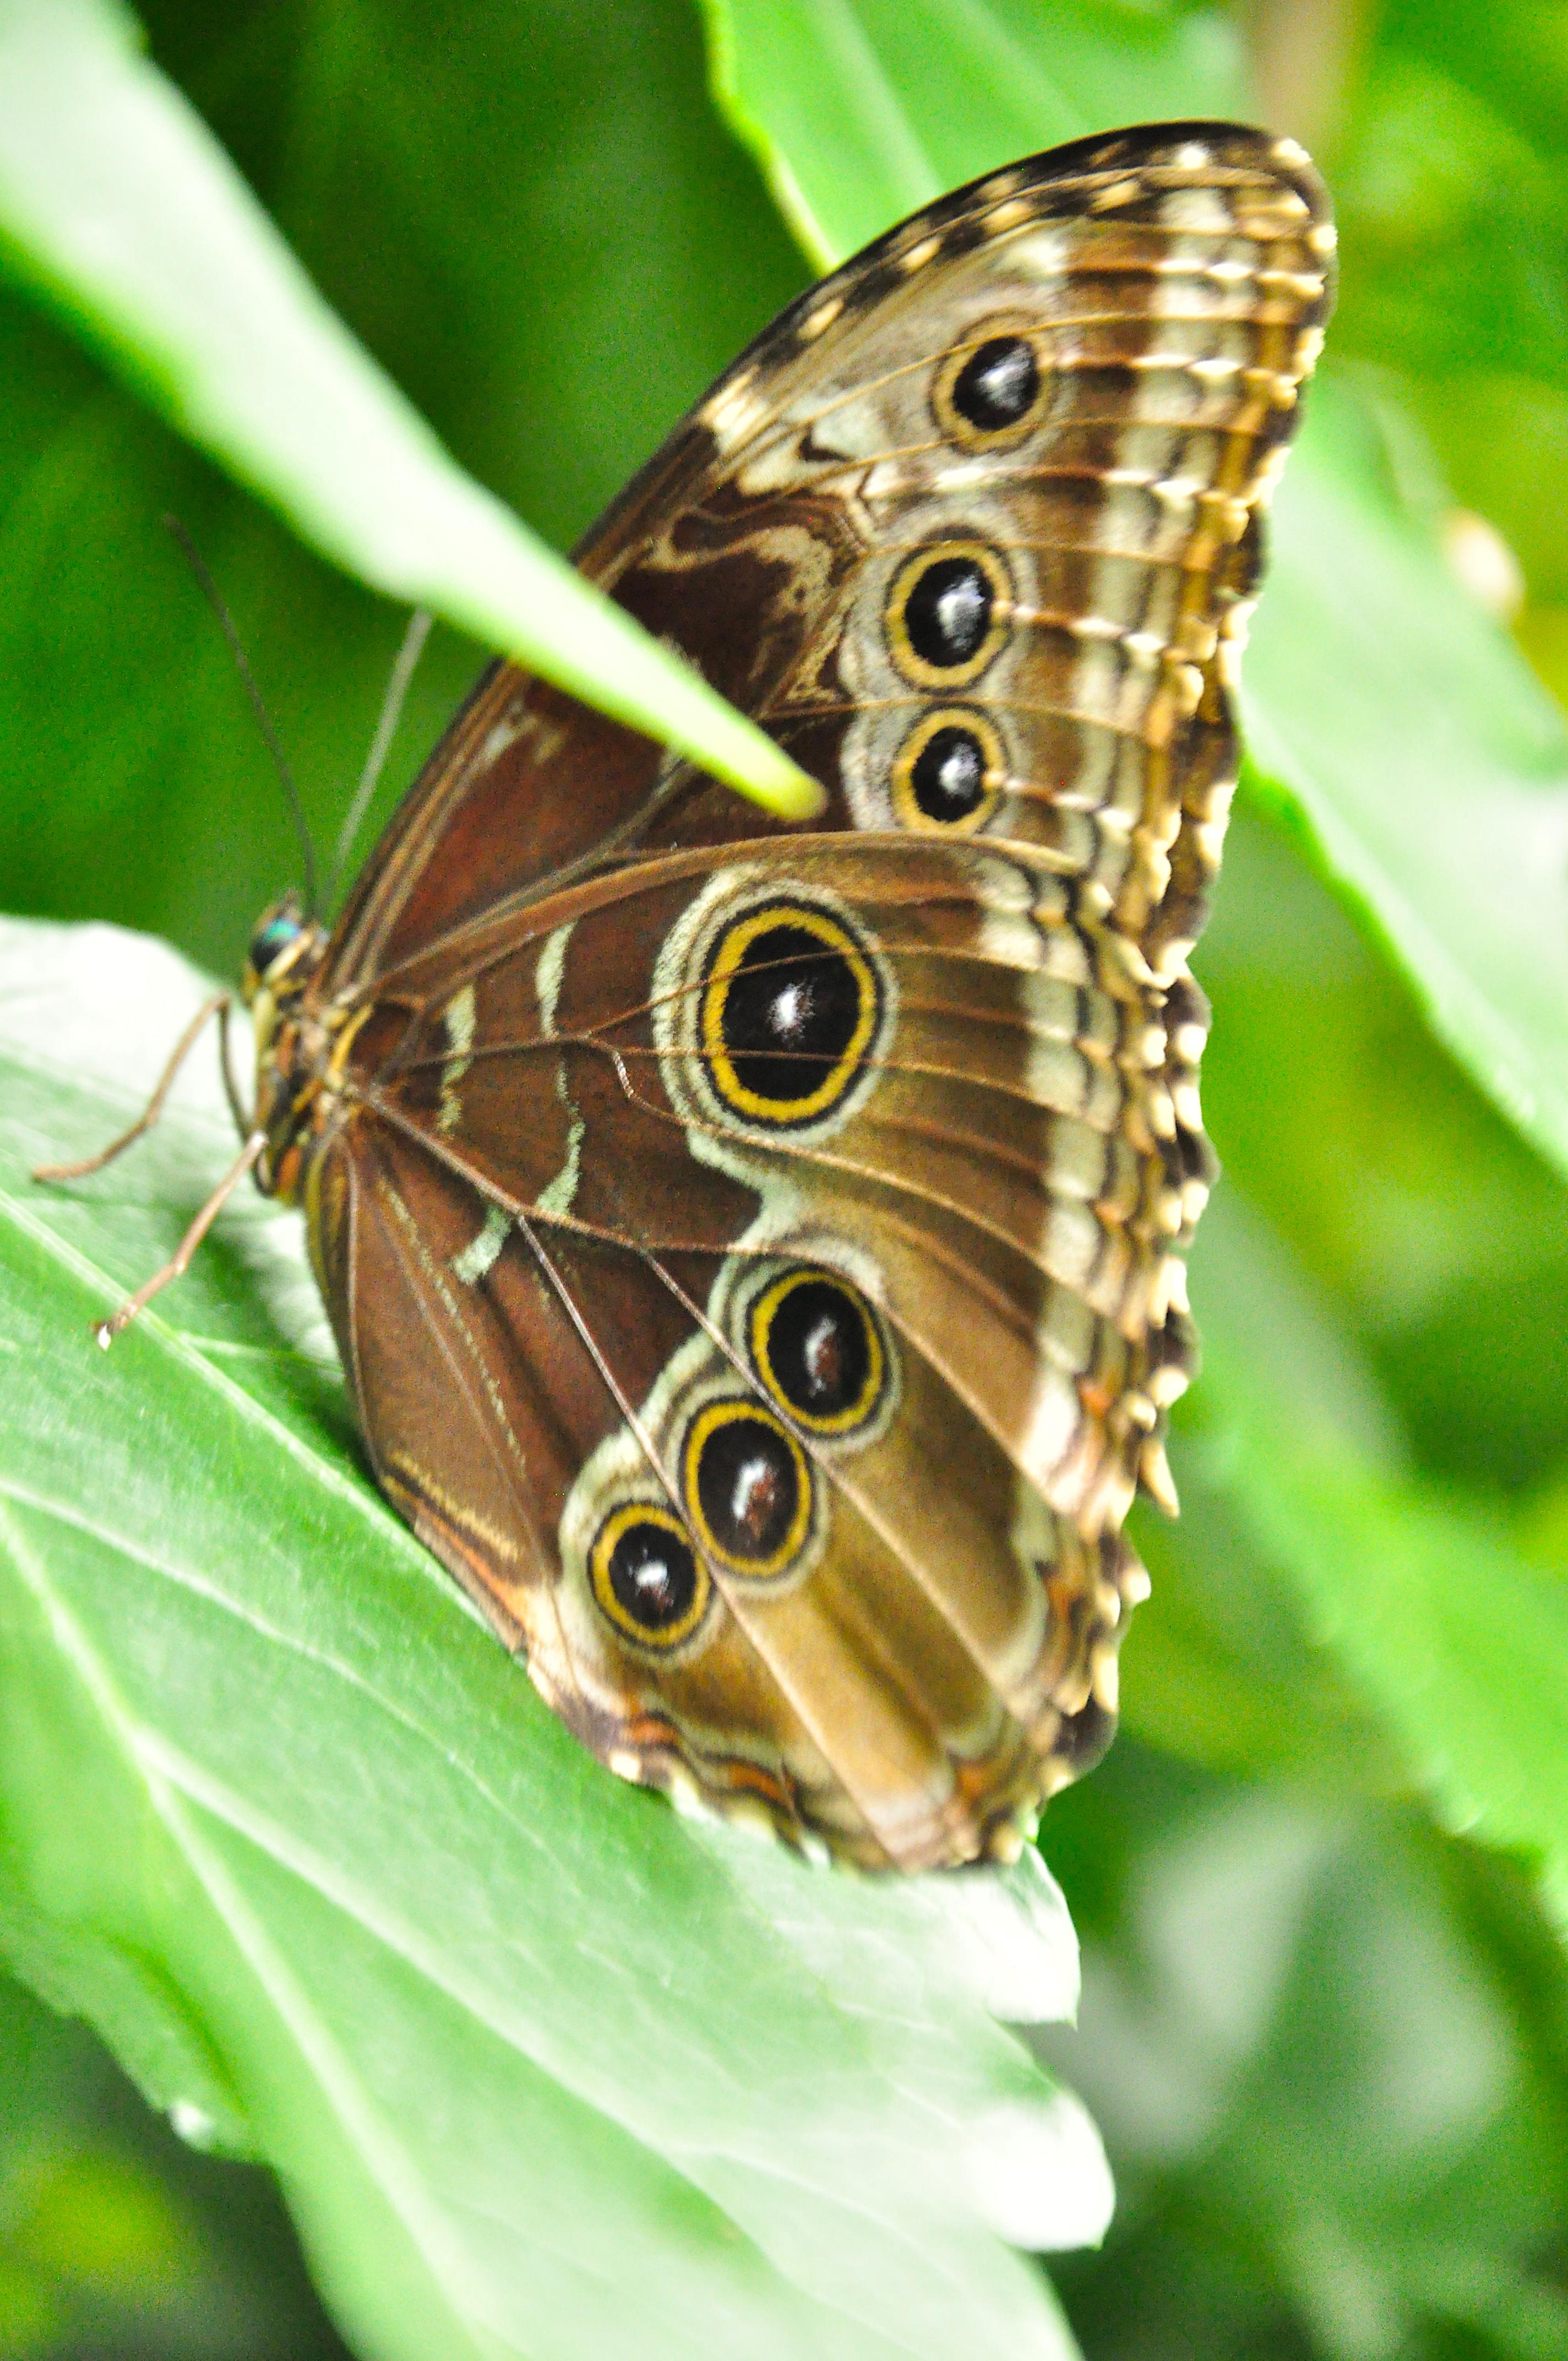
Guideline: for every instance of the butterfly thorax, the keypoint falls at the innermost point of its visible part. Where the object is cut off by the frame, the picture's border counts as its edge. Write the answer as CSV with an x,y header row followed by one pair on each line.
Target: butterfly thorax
x,y
300,1046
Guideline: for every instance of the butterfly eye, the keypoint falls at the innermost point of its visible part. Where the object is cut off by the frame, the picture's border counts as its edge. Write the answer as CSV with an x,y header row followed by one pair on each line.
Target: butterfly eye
x,y
748,1488
819,1351
646,1576
275,935
789,1008
949,613
947,774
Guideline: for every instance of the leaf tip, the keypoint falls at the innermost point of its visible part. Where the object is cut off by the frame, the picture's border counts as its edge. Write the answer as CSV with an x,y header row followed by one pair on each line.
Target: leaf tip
x,y
795,794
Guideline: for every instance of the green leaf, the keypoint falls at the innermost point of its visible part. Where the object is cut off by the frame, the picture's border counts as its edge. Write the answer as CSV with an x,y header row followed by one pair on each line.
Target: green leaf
x,y
1327,2047
1397,728
119,208
1455,1636
860,111
544,2069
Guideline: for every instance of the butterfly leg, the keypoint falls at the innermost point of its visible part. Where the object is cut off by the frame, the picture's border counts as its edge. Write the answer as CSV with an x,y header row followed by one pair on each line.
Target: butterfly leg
x,y
219,1005
179,1262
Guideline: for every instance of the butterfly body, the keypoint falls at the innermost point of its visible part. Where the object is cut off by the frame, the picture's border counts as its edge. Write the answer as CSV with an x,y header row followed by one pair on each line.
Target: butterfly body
x,y
756,1251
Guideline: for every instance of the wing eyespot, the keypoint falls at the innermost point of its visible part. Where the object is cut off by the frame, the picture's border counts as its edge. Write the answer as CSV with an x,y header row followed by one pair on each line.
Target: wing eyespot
x,y
819,1349
646,1577
790,1006
772,1006
948,775
989,393
948,612
748,1488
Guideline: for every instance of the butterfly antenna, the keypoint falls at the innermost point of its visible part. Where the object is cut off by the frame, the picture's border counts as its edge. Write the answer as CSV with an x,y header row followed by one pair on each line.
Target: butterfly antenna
x,y
214,599
391,713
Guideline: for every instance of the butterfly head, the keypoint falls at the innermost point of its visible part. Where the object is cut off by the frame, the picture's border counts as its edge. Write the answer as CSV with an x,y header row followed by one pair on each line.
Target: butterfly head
x,y
283,943
286,952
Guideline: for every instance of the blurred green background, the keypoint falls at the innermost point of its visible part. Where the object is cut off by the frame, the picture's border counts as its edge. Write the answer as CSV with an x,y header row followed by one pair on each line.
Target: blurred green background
x,y
1328,2044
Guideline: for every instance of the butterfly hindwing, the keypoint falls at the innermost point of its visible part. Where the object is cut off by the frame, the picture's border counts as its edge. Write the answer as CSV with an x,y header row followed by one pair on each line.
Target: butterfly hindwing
x,y
869,1327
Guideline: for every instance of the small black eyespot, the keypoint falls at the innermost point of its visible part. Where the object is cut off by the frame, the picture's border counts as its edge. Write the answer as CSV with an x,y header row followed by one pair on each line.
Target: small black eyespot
x,y
948,776
653,1575
751,1487
997,384
270,942
950,773
947,612
818,1351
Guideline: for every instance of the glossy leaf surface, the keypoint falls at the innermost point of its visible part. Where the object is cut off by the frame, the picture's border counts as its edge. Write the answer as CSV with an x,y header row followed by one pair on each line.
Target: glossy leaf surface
x,y
539,2064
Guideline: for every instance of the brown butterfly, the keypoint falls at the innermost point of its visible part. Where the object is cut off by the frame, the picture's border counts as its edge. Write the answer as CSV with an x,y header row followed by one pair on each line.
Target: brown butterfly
x,y
756,1253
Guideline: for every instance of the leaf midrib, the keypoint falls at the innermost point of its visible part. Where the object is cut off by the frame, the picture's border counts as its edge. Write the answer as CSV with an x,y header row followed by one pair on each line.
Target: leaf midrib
x,y
171,1781
382,2149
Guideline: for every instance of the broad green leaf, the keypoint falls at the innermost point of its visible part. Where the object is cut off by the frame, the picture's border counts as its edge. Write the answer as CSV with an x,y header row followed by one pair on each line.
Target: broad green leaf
x,y
1398,729
860,111
119,207
1457,1637
544,2069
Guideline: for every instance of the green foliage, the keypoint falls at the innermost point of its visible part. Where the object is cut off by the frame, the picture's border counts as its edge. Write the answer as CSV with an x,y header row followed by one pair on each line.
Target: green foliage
x,y
119,207
543,2070
858,116
346,1896
1327,2051
117,2237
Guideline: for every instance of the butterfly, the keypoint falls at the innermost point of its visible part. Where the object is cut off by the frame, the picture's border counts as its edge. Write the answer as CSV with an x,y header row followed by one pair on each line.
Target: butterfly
x,y
756,1250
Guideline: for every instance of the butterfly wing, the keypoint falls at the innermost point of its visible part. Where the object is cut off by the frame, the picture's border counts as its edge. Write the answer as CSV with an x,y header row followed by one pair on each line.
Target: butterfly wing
x,y
766,1306
758,1255
1067,388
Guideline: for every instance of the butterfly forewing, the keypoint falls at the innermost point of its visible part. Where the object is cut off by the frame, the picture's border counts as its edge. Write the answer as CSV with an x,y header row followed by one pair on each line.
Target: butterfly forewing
x,y
757,1255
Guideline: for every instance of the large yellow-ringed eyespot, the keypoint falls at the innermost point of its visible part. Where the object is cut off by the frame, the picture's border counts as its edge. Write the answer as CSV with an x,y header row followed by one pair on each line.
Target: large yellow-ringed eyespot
x,y
646,1576
948,613
988,394
790,1005
748,1487
819,1349
950,773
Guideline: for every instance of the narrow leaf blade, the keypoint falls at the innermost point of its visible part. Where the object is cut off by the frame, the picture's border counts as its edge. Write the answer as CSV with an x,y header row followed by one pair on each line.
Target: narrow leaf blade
x,y
118,206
